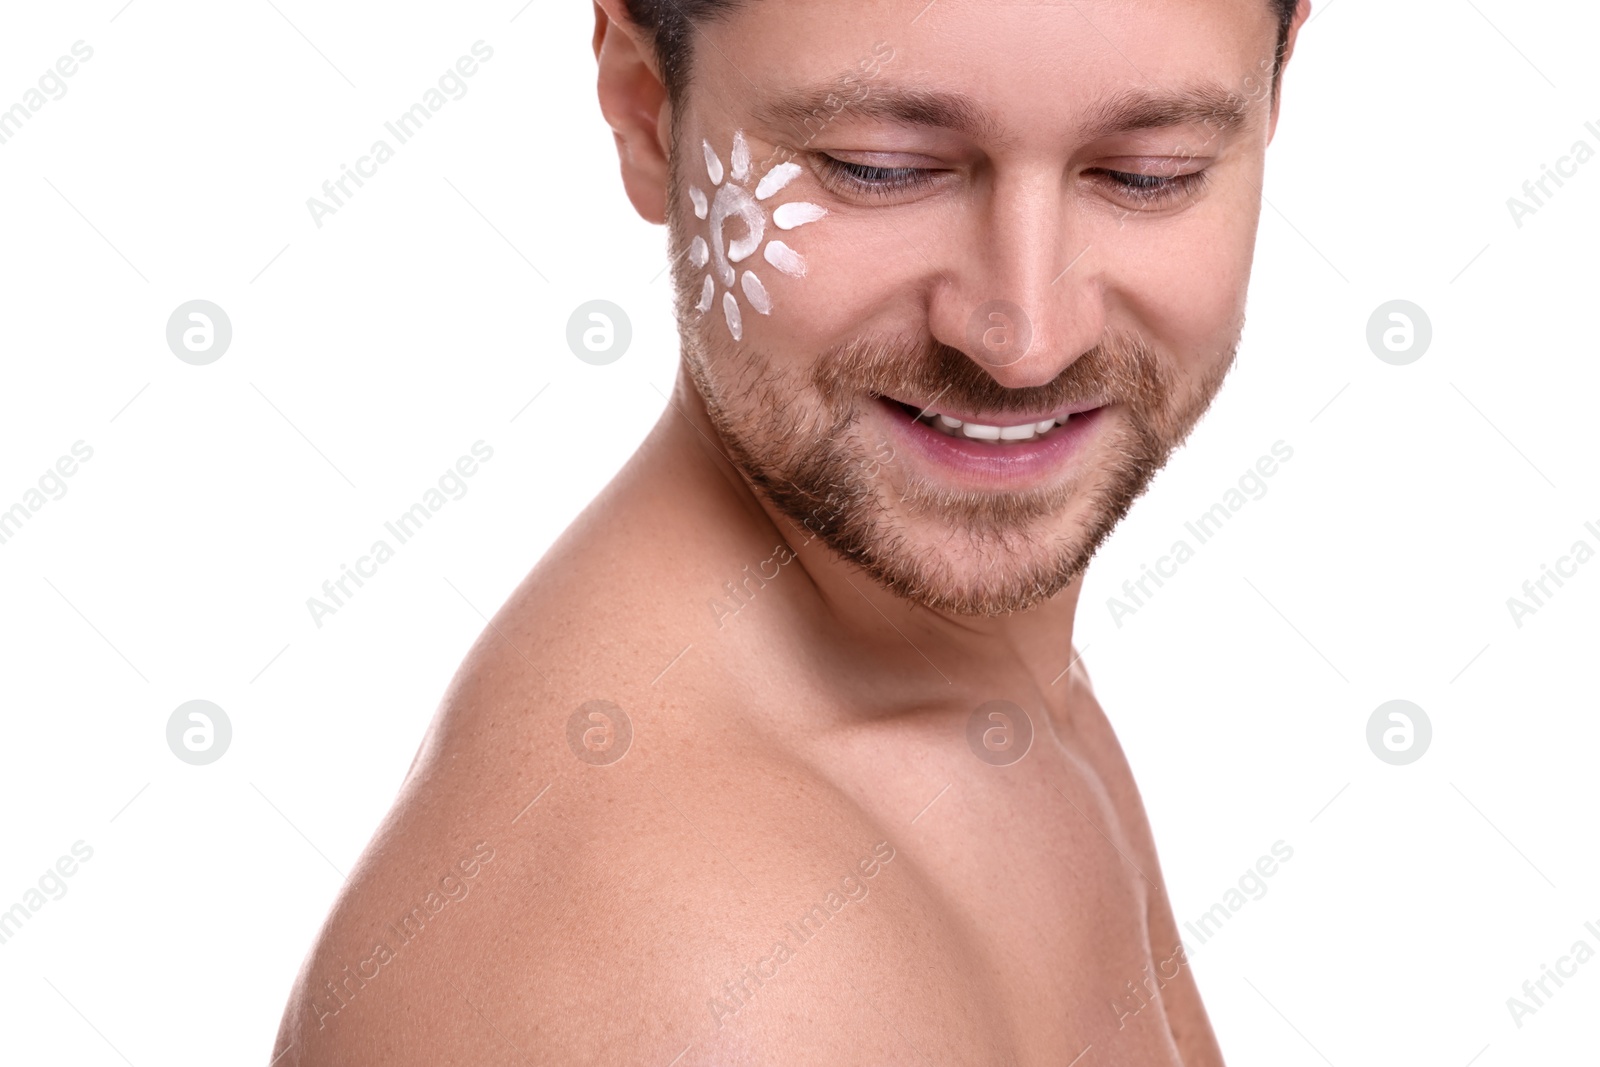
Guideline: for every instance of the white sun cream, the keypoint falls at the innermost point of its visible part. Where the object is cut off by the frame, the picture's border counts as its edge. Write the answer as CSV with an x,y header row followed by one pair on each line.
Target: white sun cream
x,y
737,219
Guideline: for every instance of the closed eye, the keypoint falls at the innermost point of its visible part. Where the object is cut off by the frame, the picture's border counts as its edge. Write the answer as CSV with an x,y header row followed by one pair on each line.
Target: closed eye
x,y
1151,189
1134,187
874,181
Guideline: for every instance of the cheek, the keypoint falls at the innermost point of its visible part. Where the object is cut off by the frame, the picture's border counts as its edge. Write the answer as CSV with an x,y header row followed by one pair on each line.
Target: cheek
x,y
845,282
863,277
1186,284
752,267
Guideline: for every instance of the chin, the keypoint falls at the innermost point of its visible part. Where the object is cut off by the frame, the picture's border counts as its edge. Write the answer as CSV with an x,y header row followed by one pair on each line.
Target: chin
x,y
950,564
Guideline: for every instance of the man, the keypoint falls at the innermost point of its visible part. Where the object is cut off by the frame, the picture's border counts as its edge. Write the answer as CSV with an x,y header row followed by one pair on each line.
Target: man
x,y
783,754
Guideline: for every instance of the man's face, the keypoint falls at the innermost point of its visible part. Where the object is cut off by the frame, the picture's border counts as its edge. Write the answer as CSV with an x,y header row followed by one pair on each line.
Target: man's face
x,y
898,237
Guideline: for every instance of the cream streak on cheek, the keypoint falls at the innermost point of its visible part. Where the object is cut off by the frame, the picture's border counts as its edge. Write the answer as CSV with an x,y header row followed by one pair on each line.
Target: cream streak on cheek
x,y
723,247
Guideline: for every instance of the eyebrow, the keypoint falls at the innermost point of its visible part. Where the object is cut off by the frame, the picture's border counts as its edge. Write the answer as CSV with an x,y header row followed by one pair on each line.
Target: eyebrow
x,y
1128,111
1206,104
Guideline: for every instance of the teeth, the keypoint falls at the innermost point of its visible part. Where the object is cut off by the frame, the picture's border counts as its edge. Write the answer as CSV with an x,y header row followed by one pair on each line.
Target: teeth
x,y
979,432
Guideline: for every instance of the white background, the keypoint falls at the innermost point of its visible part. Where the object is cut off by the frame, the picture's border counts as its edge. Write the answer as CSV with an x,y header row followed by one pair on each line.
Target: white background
x,y
425,315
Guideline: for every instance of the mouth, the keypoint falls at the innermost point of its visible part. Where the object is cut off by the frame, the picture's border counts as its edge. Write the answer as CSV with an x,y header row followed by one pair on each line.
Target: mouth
x,y
992,450
1002,432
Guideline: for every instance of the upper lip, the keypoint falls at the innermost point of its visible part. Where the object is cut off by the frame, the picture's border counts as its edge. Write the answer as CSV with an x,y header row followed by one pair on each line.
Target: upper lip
x,y
1002,418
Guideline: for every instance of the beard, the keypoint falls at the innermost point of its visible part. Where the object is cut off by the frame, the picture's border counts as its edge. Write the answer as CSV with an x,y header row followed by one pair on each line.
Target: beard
x,y
795,431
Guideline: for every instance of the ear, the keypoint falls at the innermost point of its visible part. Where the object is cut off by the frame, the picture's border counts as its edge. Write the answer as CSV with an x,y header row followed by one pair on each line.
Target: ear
x,y
1302,12
633,100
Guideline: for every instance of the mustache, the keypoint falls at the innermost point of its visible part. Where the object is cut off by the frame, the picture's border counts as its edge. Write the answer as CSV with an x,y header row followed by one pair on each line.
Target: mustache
x,y
1121,368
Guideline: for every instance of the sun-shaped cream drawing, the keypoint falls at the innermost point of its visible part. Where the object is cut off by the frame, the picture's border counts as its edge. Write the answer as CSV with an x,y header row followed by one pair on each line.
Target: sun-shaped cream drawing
x,y
734,200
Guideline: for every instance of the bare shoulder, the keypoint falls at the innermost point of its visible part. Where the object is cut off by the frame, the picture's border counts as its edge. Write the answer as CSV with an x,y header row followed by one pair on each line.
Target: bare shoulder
x,y
653,910
598,872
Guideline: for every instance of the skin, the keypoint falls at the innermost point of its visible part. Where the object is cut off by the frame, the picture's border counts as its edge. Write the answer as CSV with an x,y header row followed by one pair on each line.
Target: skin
x,y
808,736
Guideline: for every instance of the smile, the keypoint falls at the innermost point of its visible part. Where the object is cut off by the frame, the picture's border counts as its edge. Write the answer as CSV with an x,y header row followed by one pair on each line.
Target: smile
x,y
977,431
986,451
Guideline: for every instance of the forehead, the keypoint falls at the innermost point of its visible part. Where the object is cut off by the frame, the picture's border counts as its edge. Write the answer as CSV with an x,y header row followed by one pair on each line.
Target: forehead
x,y
994,69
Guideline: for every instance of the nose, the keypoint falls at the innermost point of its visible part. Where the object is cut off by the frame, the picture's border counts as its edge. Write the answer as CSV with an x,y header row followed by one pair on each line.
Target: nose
x,y
1021,292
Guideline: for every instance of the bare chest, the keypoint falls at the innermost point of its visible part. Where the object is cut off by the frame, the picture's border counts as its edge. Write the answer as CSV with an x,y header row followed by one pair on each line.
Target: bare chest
x,y
1038,877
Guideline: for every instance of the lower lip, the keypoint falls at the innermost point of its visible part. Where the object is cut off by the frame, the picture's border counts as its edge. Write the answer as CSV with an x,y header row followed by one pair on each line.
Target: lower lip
x,y
994,464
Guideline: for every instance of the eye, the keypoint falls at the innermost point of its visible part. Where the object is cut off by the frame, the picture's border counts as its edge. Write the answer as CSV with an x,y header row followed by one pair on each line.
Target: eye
x,y
1152,190
869,180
